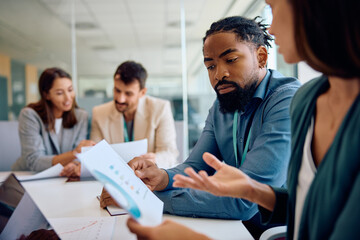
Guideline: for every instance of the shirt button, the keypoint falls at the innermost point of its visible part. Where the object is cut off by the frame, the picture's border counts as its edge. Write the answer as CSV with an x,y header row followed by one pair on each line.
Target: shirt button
x,y
241,140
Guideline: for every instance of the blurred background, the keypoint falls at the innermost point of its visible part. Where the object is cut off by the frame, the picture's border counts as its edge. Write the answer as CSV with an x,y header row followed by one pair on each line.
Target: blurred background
x,y
90,38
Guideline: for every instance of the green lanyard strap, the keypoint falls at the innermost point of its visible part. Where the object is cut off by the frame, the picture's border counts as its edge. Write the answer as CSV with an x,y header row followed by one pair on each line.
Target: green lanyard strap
x,y
235,140
126,136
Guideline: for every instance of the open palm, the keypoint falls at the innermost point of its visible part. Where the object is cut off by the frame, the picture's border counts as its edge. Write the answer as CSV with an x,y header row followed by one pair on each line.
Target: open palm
x,y
227,181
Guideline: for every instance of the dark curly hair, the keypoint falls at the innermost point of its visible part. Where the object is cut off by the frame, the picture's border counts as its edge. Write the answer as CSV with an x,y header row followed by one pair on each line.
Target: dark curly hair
x,y
131,71
248,30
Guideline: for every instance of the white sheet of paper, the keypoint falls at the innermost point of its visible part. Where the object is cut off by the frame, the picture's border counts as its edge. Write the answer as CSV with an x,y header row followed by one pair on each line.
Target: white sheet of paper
x,y
122,184
127,151
54,171
84,227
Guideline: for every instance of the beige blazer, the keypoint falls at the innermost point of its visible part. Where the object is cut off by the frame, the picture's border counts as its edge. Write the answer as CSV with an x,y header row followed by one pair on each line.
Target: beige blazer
x,y
153,120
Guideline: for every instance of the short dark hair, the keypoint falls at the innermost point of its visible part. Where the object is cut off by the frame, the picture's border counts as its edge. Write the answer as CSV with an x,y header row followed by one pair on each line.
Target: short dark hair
x,y
131,71
248,30
44,107
327,35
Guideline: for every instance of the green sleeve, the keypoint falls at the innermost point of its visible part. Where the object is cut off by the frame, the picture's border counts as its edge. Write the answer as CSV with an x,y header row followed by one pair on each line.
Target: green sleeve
x,y
278,216
347,225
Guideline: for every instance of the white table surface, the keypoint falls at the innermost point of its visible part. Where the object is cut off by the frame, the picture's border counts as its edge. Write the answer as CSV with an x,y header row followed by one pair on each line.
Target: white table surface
x,y
57,198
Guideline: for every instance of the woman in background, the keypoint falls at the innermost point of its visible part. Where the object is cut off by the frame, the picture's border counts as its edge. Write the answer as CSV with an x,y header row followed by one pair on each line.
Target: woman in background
x,y
53,129
323,195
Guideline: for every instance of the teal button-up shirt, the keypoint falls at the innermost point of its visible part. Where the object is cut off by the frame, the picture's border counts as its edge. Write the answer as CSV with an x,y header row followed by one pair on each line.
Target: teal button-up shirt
x,y
267,158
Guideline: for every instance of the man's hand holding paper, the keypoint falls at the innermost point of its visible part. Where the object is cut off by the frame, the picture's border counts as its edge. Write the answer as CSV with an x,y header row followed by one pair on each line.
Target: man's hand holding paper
x,y
155,178
122,184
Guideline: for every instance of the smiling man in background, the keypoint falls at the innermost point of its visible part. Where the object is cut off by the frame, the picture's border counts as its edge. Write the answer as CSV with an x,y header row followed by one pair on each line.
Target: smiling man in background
x,y
132,115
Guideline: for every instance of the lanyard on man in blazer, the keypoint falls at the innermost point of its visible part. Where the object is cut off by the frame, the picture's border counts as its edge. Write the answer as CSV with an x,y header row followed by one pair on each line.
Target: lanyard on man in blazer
x,y
126,136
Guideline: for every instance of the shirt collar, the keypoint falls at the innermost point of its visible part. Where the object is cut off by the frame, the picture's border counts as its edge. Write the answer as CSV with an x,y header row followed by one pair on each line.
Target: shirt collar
x,y
259,94
261,89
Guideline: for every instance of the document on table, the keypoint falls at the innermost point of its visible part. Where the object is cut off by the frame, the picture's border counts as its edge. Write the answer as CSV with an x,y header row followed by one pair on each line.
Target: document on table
x,y
122,184
127,152
84,227
54,171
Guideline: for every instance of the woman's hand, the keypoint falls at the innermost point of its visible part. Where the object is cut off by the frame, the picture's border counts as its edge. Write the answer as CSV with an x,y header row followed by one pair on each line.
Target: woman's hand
x,y
84,143
227,181
166,230
72,169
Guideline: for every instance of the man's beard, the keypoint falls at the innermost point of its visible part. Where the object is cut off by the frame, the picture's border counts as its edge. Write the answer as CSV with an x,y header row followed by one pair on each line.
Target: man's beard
x,y
122,104
236,99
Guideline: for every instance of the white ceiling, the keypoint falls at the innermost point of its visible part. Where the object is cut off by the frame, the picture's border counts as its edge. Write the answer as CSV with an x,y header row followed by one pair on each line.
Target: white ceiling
x,y
109,32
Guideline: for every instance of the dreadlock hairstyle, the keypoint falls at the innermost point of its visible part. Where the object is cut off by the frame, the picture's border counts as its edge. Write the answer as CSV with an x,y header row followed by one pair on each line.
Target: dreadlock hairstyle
x,y
248,30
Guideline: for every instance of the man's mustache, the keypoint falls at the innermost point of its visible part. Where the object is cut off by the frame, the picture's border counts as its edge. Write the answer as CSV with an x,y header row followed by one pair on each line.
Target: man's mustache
x,y
123,104
222,82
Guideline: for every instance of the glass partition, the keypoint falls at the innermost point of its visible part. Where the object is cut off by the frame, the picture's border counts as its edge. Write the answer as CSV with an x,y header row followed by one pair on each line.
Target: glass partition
x,y
37,34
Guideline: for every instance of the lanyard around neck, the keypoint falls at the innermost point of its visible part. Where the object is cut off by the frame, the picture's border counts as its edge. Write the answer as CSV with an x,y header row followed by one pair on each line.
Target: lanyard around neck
x,y
126,136
235,140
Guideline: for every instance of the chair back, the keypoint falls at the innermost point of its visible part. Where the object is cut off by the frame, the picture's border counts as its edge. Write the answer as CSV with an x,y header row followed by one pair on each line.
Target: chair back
x,y
275,233
10,148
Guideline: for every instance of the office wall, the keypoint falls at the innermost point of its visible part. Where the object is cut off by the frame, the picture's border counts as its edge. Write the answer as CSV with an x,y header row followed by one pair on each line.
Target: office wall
x,y
4,107
5,71
18,87
31,83
5,82
18,83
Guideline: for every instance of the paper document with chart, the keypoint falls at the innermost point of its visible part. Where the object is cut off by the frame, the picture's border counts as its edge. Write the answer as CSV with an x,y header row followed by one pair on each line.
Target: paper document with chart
x,y
126,150
122,184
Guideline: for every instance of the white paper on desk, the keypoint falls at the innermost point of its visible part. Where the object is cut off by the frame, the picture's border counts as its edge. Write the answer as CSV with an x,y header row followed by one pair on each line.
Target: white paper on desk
x,y
127,151
84,228
122,184
54,171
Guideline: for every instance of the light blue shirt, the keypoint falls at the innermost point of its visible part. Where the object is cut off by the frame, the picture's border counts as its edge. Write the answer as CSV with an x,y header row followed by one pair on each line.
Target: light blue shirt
x,y
266,161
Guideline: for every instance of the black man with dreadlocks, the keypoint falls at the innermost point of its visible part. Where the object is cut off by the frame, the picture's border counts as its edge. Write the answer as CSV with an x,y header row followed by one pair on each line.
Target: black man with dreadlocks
x,y
248,125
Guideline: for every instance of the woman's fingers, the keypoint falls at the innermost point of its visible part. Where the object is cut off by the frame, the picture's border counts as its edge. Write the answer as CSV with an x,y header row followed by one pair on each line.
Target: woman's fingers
x,y
139,230
183,181
212,161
